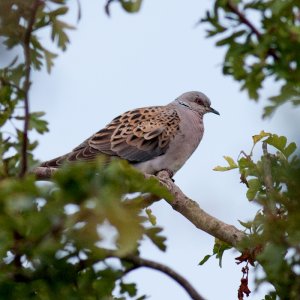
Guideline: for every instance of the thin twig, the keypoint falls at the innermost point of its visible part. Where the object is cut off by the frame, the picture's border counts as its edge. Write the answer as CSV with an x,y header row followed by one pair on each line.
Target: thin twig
x,y
233,8
107,7
243,18
267,169
27,54
141,262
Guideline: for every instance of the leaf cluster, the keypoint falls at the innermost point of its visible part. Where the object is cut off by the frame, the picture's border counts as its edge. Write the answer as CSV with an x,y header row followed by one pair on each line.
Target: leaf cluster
x,y
218,250
21,22
70,239
261,49
273,183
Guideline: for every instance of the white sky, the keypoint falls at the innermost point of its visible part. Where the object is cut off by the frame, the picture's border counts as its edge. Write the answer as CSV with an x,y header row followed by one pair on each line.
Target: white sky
x,y
128,61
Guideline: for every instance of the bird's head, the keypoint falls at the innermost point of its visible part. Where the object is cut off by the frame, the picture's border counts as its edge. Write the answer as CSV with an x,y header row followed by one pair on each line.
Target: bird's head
x,y
196,101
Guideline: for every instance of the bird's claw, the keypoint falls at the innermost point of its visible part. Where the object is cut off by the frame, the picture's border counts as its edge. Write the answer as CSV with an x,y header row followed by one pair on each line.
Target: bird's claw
x,y
170,173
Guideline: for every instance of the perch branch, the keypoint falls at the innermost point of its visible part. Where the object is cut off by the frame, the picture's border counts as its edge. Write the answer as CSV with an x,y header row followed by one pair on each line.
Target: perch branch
x,y
201,219
181,203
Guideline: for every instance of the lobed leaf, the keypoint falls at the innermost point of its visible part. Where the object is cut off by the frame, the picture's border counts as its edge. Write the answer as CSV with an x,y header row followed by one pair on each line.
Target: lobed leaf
x,y
231,163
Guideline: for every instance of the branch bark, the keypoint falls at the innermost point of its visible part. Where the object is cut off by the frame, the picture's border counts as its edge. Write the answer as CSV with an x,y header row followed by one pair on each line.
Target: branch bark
x,y
26,87
141,262
234,9
201,219
182,204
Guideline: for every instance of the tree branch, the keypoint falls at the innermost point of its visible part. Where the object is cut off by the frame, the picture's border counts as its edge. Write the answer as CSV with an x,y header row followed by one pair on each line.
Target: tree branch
x,y
243,18
44,173
181,203
26,87
141,262
234,9
201,219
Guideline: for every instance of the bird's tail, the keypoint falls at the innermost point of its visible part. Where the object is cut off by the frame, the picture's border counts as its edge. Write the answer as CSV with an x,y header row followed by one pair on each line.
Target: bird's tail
x,y
56,162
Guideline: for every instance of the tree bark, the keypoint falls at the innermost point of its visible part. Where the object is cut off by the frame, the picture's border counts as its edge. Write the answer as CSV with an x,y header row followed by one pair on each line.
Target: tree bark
x,y
187,207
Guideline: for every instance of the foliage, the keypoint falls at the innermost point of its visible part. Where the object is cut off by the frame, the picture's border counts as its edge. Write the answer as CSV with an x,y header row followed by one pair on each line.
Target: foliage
x,y
268,48
273,183
70,239
20,23
54,238
219,248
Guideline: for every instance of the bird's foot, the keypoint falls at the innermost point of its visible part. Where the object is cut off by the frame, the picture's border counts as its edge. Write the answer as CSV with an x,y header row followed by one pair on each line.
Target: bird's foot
x,y
170,173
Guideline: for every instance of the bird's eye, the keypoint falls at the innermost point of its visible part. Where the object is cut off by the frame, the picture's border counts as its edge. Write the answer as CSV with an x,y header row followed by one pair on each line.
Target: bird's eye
x,y
184,104
199,101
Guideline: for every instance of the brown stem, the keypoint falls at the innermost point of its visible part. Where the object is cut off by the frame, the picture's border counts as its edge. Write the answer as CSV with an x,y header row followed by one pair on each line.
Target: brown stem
x,y
243,18
268,180
141,262
26,87
233,8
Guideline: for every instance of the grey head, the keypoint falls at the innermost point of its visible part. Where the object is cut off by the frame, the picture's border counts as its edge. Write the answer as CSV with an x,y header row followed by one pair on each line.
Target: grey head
x,y
195,101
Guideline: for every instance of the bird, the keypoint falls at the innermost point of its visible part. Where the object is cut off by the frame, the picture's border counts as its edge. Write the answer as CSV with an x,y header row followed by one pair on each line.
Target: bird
x,y
151,139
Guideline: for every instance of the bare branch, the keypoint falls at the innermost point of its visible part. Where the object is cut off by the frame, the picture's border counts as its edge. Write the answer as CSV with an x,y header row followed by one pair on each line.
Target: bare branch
x,y
26,87
43,173
107,7
201,219
141,262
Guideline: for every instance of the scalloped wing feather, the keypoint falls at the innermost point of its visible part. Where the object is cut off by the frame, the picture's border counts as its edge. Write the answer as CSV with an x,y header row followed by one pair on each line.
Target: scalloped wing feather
x,y
138,135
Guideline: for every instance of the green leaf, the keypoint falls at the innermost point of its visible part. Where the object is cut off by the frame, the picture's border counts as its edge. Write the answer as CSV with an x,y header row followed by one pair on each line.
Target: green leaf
x,y
129,288
219,248
256,138
247,225
290,149
151,217
279,142
231,163
41,126
58,33
49,56
157,239
58,12
131,6
254,187
205,259
230,39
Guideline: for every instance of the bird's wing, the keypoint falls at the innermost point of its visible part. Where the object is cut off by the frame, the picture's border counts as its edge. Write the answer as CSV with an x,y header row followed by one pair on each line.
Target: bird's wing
x,y
137,135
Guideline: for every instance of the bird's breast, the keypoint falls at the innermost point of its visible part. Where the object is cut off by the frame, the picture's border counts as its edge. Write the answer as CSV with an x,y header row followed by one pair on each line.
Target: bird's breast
x,y
181,147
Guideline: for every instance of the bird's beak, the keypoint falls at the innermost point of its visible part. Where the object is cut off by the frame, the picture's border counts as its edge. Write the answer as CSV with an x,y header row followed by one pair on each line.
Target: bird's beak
x,y
213,111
